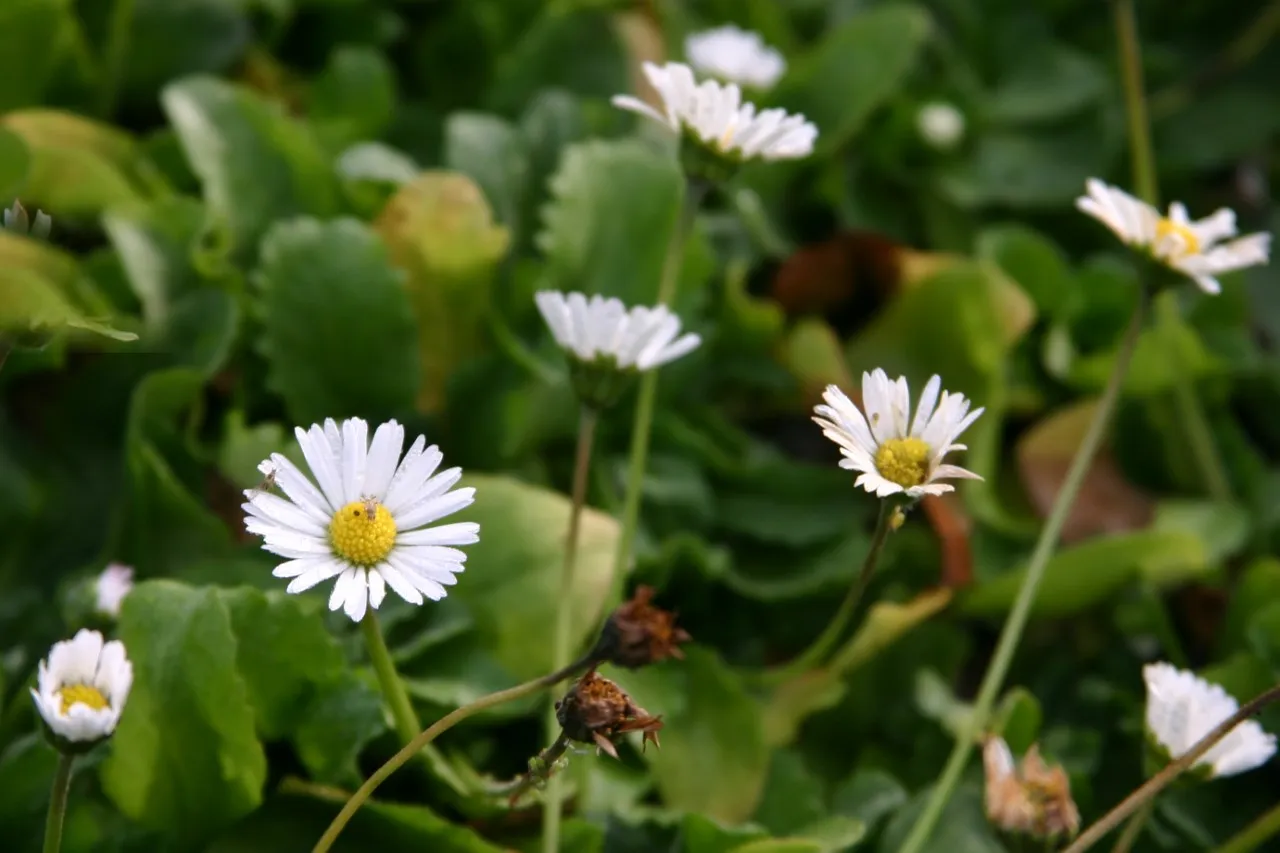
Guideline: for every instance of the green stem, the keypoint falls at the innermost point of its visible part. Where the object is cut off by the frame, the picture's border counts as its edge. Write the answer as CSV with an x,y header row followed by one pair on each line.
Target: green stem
x,y
117,50
1203,450
1252,836
420,741
643,423
564,612
407,725
58,804
1171,771
830,635
1133,829
1017,621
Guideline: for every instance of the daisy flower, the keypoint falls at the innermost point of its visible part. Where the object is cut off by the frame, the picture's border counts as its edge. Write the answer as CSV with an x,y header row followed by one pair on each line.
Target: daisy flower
x,y
115,582
368,522
1033,798
896,455
597,328
1182,708
82,687
735,56
1195,249
715,116
940,124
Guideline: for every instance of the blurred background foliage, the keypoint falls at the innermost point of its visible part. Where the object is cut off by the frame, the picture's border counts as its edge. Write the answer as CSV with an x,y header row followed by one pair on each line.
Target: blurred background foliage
x,y
268,212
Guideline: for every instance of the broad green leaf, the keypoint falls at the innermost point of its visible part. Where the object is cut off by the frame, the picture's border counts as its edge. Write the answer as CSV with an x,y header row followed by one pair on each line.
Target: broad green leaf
x,y
702,834
714,757
869,796
1026,170
512,581
284,654
1036,264
870,55
338,722
490,151
577,50
1191,138
181,37
1056,82
256,165
440,232
374,161
793,795
30,49
593,243
184,760
354,97
27,766
155,246
15,162
338,331
1256,588
32,302
78,167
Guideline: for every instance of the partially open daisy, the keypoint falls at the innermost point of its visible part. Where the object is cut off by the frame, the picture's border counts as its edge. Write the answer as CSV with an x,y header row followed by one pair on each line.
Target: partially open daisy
x,y
368,522
735,55
714,116
601,328
1195,249
115,582
1182,708
82,687
894,453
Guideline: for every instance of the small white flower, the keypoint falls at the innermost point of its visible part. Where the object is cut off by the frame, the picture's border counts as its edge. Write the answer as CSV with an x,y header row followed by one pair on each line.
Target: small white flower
x,y
82,687
940,124
598,328
367,523
715,115
1194,249
1182,708
735,56
112,586
895,454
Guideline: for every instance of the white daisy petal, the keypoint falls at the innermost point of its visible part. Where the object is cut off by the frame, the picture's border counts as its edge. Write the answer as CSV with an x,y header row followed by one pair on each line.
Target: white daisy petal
x,y
735,56
324,531
84,684
894,452
111,588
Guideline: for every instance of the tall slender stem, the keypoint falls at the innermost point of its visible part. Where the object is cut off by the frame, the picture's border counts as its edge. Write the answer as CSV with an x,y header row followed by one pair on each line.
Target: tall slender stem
x,y
1133,829
643,423
582,465
1204,453
406,720
1171,771
58,804
420,741
1255,834
830,635
1017,621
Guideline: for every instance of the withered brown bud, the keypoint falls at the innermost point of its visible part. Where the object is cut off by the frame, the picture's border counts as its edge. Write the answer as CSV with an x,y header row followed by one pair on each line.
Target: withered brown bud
x,y
596,710
637,633
1033,799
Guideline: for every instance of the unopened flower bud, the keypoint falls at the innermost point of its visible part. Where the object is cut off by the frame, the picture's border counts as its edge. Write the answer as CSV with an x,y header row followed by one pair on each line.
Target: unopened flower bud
x,y
597,710
637,633
1034,799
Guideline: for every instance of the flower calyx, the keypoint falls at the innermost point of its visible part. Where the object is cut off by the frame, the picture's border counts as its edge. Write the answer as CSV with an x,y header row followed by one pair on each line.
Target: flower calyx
x,y
597,710
637,633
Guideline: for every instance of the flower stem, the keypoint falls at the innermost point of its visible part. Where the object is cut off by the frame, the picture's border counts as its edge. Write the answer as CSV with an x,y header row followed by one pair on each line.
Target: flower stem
x,y
643,423
830,635
421,740
1133,829
58,804
1203,451
1021,611
406,720
581,466
1171,771
1252,836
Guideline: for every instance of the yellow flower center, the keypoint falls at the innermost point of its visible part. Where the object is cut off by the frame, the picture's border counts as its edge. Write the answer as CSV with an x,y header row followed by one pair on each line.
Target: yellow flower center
x,y
727,136
362,533
1169,228
82,694
904,461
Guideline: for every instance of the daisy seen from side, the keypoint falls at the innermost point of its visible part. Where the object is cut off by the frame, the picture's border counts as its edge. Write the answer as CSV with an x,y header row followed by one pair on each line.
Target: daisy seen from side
x,y
735,55
893,453
367,519
82,687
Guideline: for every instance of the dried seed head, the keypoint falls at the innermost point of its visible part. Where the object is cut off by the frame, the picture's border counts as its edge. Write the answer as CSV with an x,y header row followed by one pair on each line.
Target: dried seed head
x,y
596,710
1034,799
637,633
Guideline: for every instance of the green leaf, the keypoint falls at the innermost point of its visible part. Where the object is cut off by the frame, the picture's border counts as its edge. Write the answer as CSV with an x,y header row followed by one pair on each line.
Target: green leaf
x,y
1055,83
595,245
354,97
512,581
440,231
256,164
869,796
78,167
713,758
492,153
155,246
15,162
793,795
1036,264
338,331
1026,170
702,834
962,828
284,653
338,722
577,50
181,37
184,760
871,53
29,49
1257,587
